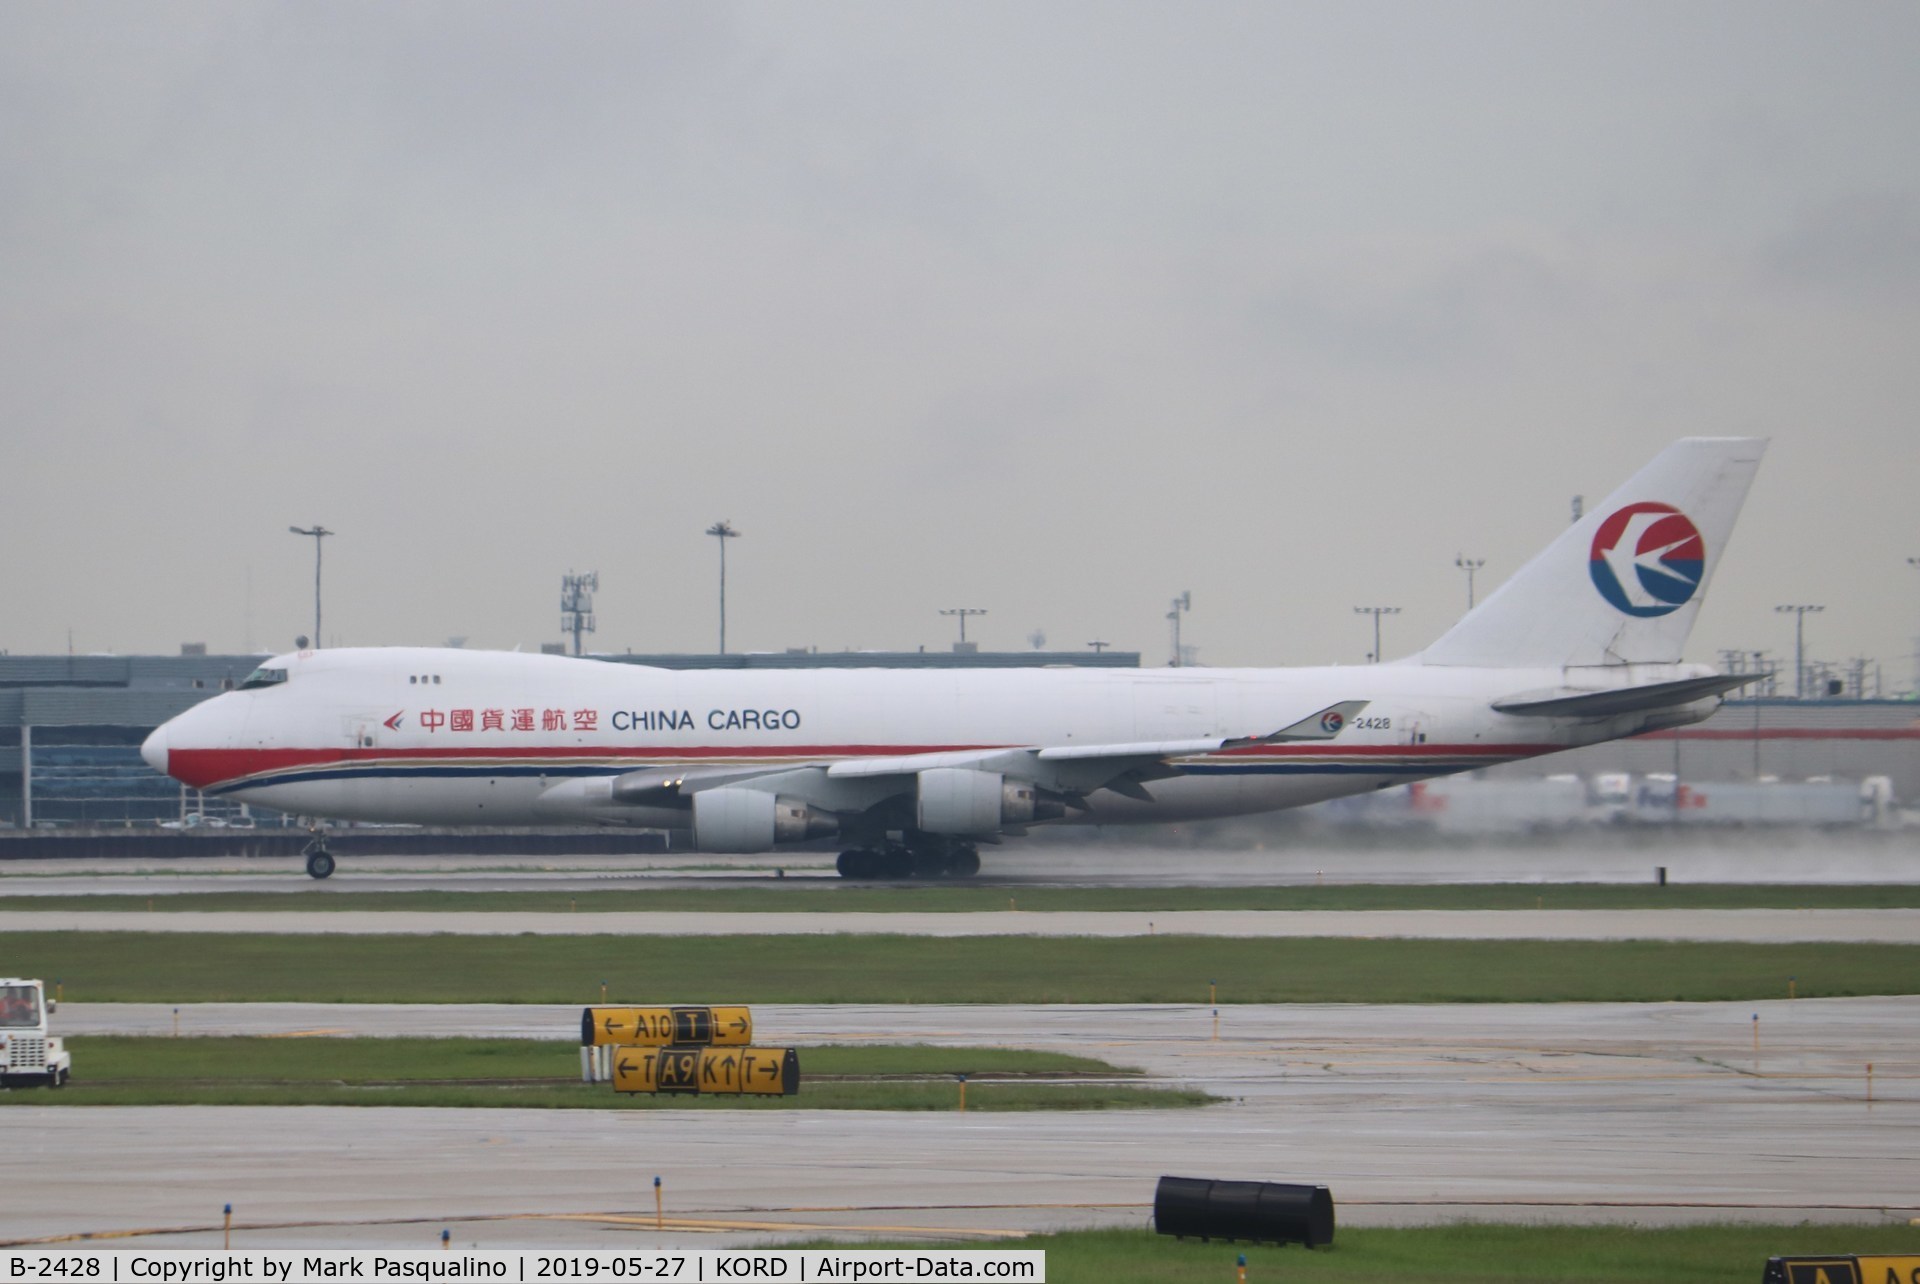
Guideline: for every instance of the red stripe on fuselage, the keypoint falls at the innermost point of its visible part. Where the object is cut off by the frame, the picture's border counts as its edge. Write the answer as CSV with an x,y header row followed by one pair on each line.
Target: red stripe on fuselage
x,y
1789,733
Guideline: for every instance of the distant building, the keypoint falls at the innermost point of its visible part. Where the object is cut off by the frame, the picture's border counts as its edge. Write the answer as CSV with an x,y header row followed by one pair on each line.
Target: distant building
x,y
1754,739
71,727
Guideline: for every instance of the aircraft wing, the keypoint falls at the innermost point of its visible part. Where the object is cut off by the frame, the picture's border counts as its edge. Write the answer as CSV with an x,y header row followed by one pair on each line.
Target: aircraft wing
x,y
1611,702
1071,771
1081,769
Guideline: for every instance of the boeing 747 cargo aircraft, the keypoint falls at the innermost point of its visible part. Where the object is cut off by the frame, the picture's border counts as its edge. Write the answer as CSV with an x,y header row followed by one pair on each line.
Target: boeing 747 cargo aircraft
x,y
910,770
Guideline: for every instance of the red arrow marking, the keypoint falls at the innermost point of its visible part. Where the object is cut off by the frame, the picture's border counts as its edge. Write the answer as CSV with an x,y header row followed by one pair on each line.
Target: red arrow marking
x,y
393,723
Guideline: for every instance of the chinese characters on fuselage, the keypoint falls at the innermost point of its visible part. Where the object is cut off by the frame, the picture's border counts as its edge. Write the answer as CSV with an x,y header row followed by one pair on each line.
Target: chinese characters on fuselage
x,y
478,721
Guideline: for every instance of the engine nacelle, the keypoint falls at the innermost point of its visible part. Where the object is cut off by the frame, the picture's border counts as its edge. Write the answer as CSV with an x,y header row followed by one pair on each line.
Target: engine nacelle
x,y
957,800
751,820
592,801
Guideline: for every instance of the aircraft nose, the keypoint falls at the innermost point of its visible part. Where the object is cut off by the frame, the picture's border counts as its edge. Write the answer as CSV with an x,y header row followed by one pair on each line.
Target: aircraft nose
x,y
154,750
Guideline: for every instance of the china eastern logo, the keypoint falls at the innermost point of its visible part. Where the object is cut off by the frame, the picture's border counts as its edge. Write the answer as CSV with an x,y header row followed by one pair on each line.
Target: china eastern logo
x,y
1647,559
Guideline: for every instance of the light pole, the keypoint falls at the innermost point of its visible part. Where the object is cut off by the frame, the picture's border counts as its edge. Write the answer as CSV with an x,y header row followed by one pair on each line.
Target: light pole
x,y
319,533
1469,565
1799,645
1181,605
1376,612
1914,562
963,612
723,532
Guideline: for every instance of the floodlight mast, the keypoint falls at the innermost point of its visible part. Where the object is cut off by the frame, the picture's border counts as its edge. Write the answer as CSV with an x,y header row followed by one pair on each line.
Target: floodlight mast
x,y
1799,613
1915,563
1469,565
723,531
1376,612
318,533
963,612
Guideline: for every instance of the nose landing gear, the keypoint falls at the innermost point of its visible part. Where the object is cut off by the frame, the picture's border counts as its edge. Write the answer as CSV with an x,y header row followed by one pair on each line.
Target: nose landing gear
x,y
319,859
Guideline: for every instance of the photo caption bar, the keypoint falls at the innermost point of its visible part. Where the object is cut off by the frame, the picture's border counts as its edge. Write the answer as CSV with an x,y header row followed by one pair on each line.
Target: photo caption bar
x,y
276,1266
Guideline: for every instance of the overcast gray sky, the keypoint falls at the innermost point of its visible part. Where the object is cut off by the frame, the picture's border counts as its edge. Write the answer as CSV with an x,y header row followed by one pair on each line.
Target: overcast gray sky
x,y
1051,309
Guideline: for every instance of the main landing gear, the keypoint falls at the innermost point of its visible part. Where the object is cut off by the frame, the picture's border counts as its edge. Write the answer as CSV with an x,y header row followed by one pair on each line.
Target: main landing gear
x,y
925,856
319,859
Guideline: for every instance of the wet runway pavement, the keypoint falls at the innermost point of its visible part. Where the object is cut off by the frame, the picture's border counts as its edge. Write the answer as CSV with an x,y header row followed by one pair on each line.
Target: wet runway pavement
x,y
1573,1112
1796,857
1576,1112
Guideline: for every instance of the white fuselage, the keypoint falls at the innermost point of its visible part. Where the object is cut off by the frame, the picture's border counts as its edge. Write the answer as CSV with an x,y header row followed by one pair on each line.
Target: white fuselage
x,y
1577,647
450,737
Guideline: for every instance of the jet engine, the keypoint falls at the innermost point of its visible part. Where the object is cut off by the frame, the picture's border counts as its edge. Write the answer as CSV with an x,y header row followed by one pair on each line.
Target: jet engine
x,y
958,800
751,820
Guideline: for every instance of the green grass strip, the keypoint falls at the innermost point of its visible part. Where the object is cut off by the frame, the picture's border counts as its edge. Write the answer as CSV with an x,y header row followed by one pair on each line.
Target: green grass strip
x,y
1460,1254
166,967
145,1070
818,896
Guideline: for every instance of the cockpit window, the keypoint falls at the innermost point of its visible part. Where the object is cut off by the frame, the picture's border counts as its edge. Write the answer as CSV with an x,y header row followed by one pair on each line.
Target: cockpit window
x,y
264,678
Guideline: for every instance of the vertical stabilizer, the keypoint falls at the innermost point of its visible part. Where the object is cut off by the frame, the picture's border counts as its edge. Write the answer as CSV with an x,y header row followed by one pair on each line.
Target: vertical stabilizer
x,y
1623,584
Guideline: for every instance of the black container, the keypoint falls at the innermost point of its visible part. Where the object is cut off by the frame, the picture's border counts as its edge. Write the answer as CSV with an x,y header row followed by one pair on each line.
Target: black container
x,y
1263,1212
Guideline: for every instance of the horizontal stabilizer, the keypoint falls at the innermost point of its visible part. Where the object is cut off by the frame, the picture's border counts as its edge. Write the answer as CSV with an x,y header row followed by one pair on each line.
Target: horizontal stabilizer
x,y
1569,703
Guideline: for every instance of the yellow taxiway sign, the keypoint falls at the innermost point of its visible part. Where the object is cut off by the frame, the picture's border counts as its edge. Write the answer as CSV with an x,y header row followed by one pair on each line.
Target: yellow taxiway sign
x,y
728,1027
769,1072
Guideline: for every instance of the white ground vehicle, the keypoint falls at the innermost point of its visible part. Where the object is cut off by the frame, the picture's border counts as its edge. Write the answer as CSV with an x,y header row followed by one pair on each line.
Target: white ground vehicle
x,y
28,1055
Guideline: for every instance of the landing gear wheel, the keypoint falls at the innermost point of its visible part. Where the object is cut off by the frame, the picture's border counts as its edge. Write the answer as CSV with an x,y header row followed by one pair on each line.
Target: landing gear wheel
x,y
858,863
319,862
930,863
936,857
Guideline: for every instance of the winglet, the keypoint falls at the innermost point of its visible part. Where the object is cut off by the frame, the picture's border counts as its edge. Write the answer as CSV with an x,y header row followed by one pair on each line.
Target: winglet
x,y
1324,725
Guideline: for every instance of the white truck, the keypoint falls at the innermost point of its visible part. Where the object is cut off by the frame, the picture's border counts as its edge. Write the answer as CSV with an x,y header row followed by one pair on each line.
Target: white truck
x,y
28,1054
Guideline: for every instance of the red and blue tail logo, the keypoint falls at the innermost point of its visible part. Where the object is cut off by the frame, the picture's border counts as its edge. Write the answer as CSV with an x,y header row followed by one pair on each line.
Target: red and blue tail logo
x,y
1647,559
